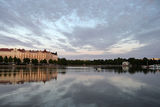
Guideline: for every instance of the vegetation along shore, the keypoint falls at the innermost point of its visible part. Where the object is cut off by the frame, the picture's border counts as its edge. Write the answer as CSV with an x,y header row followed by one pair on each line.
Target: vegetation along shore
x,y
62,61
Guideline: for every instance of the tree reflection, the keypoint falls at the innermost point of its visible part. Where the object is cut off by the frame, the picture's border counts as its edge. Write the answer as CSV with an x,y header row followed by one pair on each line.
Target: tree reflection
x,y
130,70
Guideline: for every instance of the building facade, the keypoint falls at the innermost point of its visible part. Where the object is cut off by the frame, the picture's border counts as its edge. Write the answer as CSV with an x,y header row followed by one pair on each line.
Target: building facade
x,y
31,54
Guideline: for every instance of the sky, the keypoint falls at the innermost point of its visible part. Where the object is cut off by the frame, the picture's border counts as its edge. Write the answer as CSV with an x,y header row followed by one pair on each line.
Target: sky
x,y
83,29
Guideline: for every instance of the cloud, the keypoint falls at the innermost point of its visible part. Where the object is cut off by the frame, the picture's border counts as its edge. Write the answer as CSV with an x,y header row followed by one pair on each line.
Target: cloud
x,y
83,27
125,46
8,41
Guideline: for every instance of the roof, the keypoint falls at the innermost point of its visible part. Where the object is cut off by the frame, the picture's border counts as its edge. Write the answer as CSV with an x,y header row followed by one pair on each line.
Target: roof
x,y
22,50
5,49
54,53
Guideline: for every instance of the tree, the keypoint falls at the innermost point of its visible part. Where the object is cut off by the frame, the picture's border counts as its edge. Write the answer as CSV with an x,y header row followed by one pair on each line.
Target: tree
x,y
62,61
26,60
51,61
41,61
15,59
10,59
1,59
18,61
34,61
158,61
6,59
145,61
54,62
44,61
132,61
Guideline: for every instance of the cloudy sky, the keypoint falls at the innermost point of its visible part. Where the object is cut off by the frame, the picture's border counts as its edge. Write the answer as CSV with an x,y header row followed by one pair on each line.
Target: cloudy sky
x,y
83,29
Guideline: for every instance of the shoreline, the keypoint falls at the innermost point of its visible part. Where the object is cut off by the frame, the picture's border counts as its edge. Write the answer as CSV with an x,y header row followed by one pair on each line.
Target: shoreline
x,y
28,65
57,66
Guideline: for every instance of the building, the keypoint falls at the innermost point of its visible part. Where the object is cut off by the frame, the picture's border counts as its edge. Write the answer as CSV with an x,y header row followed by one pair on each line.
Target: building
x,y
126,63
31,54
155,59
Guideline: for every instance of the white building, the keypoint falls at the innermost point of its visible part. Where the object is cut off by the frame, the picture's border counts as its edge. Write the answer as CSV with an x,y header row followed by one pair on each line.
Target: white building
x,y
126,63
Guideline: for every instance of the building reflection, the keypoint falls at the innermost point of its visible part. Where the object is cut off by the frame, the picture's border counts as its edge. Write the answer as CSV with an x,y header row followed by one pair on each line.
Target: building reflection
x,y
125,68
20,76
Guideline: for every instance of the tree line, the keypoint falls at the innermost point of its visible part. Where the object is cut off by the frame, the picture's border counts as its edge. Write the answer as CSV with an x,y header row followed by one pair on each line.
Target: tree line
x,y
18,61
116,61
64,61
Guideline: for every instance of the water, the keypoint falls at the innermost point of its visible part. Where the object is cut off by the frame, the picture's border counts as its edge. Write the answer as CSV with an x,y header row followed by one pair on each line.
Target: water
x,y
79,87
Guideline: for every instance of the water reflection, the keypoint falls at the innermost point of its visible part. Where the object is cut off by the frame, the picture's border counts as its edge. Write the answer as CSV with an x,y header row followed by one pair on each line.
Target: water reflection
x,y
80,87
130,70
22,75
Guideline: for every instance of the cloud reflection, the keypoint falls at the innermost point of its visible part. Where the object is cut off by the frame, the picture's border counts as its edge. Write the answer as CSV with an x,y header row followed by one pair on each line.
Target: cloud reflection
x,y
126,84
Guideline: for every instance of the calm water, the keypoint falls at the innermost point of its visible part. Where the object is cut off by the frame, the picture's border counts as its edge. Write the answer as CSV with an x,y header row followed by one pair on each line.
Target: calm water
x,y
79,87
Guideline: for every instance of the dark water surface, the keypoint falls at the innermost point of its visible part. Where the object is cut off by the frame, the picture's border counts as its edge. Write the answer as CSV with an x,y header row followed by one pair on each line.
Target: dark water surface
x,y
79,87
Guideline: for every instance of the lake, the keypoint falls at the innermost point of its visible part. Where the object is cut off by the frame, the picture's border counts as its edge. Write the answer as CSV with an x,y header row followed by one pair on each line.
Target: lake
x,y
79,87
